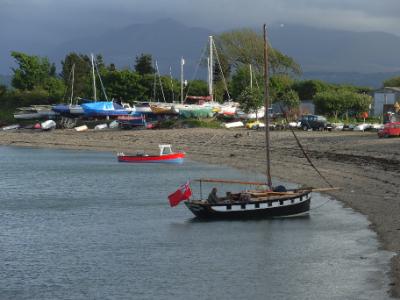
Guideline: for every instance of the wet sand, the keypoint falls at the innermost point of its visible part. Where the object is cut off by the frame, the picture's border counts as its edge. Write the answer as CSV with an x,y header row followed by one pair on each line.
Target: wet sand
x,y
365,167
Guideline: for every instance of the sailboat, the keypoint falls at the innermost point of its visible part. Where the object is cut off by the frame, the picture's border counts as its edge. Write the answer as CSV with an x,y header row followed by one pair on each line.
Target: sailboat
x,y
69,109
205,106
269,201
102,108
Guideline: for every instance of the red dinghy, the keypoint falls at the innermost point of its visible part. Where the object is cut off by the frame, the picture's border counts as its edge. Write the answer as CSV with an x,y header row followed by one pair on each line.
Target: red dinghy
x,y
166,156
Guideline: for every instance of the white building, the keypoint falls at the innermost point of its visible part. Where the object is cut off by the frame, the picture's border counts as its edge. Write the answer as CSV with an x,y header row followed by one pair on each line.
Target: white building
x,y
387,95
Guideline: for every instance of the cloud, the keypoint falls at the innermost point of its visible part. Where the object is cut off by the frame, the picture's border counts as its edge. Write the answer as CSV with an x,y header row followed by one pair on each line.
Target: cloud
x,y
81,16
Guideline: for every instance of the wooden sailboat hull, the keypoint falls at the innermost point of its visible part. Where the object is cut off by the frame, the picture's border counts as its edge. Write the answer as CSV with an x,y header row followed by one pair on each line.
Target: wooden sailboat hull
x,y
284,206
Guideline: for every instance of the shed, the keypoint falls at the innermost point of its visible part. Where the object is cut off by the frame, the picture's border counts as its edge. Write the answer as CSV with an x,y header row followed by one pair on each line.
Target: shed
x,y
384,96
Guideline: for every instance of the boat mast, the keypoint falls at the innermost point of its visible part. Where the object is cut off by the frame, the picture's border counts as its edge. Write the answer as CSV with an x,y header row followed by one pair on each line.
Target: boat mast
x,y
211,69
94,78
182,63
266,96
251,77
72,83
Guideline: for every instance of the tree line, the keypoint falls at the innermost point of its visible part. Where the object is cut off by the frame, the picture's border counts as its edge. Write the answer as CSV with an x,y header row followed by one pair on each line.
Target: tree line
x,y
36,81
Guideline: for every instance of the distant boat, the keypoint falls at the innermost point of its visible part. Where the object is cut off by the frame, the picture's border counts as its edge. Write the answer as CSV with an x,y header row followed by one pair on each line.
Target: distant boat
x,y
131,120
35,112
166,156
103,109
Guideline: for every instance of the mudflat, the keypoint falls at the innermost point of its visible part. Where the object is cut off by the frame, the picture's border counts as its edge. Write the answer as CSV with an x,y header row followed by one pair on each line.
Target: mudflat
x,y
365,167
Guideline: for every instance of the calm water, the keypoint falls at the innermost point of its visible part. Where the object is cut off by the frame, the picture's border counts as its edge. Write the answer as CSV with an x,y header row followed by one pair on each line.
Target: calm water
x,y
79,225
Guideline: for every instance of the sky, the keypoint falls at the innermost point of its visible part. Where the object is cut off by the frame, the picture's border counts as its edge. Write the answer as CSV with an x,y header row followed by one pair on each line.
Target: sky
x,y
75,17
31,25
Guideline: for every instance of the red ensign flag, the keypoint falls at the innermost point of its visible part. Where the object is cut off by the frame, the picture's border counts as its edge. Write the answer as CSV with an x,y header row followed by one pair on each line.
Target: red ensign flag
x,y
182,193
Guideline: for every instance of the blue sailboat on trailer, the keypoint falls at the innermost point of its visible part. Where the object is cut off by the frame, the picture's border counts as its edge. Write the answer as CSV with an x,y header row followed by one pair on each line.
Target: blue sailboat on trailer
x,y
102,108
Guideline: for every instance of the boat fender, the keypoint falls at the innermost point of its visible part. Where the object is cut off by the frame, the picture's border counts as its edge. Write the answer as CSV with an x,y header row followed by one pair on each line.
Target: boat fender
x,y
279,189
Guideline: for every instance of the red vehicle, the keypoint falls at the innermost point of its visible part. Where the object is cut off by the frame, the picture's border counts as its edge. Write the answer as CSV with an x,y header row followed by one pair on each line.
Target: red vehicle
x,y
390,129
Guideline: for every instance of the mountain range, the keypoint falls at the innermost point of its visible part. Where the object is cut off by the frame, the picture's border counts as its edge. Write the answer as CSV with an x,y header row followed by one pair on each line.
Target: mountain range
x,y
364,58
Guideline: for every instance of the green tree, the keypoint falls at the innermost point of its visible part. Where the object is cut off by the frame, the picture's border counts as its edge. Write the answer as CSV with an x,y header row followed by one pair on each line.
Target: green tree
x,y
125,85
251,99
341,102
3,90
245,46
307,89
82,74
32,71
392,82
196,88
144,64
241,80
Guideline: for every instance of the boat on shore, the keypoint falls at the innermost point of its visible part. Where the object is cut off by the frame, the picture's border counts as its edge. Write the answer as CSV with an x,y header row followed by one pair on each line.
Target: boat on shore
x,y
166,155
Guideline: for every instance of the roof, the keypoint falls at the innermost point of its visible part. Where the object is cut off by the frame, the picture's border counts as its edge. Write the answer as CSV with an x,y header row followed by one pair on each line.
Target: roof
x,y
388,88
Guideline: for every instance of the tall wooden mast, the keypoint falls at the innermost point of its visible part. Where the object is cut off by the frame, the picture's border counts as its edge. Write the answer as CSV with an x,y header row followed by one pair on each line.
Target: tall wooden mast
x,y
266,104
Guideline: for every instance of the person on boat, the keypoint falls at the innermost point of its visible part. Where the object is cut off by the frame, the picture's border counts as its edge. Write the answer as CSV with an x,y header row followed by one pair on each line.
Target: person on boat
x,y
212,197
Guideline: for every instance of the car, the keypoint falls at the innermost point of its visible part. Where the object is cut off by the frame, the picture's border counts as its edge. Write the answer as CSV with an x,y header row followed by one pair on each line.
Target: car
x,y
390,129
314,122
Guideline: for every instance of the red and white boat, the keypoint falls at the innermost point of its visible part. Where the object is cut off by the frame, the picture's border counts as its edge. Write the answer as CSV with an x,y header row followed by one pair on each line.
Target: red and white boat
x,y
166,156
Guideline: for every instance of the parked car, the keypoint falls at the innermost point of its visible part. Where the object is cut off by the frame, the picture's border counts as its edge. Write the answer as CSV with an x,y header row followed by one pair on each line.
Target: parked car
x,y
390,129
314,122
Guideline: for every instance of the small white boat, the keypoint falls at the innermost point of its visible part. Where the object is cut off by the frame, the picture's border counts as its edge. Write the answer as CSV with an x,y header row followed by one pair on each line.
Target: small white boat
x,y
11,127
233,124
48,125
81,128
252,114
100,127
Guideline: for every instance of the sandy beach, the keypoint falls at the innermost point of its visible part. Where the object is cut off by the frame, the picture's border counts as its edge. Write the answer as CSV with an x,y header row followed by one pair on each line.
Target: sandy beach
x,y
365,167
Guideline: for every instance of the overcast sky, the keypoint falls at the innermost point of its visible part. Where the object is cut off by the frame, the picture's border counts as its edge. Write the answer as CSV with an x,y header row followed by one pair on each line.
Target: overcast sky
x,y
48,17
34,25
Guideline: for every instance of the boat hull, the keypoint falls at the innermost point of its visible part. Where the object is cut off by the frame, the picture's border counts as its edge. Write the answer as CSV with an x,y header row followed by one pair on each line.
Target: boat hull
x,y
168,158
289,206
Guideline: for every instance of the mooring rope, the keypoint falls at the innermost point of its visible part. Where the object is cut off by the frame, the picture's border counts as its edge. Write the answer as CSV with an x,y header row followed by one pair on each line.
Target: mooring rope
x,y
302,149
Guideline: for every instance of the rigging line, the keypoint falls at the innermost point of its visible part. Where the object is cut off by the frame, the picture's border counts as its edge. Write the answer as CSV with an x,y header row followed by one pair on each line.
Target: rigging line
x,y
154,83
66,87
196,70
220,68
101,81
302,149
172,84
159,80
319,206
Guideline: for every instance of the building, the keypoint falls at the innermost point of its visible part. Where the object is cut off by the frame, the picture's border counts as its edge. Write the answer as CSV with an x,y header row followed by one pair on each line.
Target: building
x,y
384,96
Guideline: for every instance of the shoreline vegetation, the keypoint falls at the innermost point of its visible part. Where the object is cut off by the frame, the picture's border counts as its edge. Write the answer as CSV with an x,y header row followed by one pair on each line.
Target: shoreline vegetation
x,y
368,171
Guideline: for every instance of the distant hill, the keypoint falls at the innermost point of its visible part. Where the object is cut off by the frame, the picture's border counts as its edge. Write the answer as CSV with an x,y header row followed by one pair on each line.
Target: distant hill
x,y
374,80
363,58
167,41
324,50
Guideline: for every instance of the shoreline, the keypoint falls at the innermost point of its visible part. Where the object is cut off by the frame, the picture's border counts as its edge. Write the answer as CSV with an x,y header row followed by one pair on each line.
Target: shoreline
x,y
365,167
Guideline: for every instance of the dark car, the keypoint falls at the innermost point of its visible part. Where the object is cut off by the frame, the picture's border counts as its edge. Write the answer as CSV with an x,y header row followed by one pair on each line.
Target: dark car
x,y
314,122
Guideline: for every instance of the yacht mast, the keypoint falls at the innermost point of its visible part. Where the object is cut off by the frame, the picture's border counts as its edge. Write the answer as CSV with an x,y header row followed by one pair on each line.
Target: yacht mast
x,y
211,69
94,78
251,77
72,83
182,63
266,95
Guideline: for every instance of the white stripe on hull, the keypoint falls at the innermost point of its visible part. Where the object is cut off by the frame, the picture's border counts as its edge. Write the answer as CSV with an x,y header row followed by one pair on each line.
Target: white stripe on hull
x,y
264,205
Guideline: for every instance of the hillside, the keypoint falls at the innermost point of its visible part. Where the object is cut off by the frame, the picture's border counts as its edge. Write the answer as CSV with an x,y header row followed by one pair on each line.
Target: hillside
x,y
363,58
